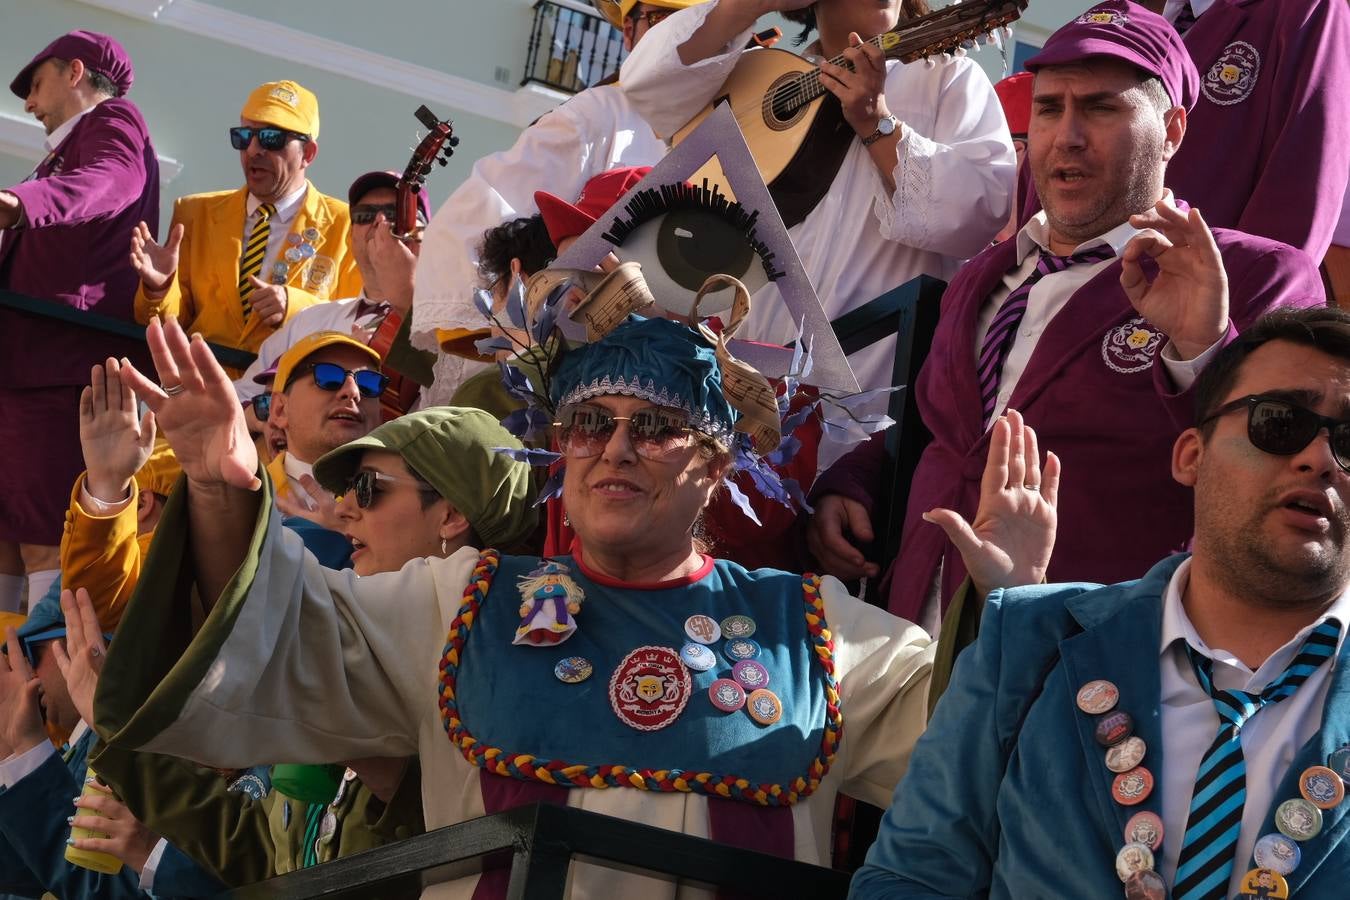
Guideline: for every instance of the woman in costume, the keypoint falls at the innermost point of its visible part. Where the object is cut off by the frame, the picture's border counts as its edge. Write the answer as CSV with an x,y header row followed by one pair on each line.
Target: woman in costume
x,y
631,715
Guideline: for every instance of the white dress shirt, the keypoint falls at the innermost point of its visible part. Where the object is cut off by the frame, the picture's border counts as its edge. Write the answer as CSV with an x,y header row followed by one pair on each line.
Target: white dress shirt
x,y
294,469
280,224
954,172
1270,739
1173,7
1048,298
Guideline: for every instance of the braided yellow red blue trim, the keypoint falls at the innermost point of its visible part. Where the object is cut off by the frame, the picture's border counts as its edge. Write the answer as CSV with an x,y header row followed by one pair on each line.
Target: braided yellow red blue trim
x,y
552,771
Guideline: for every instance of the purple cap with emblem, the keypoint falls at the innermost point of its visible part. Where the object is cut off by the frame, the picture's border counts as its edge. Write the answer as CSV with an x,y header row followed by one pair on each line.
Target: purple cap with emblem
x,y
1128,32
97,51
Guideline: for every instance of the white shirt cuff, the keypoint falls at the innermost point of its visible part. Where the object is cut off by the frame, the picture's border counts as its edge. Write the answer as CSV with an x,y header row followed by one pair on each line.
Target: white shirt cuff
x,y
1183,372
15,768
101,509
151,864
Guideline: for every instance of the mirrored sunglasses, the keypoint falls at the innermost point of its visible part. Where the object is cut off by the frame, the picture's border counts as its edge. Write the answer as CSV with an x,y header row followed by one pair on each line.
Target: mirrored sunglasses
x,y
268,138
330,377
657,432
1283,428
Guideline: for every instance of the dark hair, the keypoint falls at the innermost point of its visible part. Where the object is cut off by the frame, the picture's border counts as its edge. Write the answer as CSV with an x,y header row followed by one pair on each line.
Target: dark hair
x,y
806,17
524,239
97,80
1323,328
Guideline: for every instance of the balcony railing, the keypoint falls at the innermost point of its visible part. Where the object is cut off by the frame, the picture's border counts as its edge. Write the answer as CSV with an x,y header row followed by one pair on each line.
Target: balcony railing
x,y
571,46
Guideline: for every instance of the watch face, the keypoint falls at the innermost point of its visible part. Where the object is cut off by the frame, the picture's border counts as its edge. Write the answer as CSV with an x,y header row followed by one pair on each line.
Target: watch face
x,y
886,126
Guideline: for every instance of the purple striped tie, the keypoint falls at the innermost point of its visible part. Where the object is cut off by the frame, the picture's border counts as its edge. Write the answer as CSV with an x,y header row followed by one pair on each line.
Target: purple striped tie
x,y
999,339
1185,19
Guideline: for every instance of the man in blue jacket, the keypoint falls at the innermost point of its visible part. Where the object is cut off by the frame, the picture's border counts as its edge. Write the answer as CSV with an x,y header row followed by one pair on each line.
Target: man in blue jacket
x,y
1188,731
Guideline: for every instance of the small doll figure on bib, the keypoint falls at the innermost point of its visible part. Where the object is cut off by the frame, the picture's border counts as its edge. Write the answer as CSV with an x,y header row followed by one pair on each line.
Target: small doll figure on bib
x,y
549,600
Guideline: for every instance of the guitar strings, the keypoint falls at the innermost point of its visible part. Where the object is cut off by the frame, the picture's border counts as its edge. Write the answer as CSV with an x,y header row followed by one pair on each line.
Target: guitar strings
x,y
652,203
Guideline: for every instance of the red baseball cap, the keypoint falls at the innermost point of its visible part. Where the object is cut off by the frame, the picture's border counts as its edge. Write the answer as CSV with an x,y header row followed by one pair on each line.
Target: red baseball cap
x,y
1014,93
566,220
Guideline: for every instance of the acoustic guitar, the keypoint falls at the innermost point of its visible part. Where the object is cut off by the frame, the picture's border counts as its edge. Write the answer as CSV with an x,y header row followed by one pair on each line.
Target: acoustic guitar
x,y
401,392
777,98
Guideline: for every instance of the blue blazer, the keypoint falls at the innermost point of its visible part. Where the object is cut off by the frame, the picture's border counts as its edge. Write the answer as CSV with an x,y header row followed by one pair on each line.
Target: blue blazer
x,y
1007,794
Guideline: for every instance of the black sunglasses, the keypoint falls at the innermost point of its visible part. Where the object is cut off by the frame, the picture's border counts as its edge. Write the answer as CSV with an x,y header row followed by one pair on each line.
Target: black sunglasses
x,y
1283,428
362,485
262,406
330,377
656,431
363,214
269,138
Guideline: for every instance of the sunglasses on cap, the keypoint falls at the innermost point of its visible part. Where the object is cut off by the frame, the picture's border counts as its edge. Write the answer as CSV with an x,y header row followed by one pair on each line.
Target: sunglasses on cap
x,y
331,376
1283,428
362,486
269,138
657,432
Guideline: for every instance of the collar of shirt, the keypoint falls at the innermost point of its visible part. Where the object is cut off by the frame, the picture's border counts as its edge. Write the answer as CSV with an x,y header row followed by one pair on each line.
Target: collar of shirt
x,y
286,206
1173,7
1229,671
1036,234
294,469
80,728
54,140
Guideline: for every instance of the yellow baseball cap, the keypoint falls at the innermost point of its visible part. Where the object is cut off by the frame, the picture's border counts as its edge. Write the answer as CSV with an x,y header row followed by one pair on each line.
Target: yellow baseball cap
x,y
284,104
312,343
161,470
10,620
615,10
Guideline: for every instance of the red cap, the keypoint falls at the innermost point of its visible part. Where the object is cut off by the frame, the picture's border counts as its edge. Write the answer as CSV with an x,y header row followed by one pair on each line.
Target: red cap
x,y
1014,92
97,51
565,220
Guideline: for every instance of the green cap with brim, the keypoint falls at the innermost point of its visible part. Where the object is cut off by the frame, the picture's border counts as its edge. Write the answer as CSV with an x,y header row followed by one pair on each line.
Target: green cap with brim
x,y
454,449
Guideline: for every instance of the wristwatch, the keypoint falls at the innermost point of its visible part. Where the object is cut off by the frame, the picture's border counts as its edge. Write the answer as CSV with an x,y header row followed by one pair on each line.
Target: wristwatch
x,y
885,128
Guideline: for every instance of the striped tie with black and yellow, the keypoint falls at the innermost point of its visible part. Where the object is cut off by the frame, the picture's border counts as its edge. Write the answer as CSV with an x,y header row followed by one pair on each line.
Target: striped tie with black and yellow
x,y
255,250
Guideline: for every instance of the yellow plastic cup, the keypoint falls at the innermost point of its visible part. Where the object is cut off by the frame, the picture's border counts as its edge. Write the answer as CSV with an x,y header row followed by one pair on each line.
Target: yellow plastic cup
x,y
91,859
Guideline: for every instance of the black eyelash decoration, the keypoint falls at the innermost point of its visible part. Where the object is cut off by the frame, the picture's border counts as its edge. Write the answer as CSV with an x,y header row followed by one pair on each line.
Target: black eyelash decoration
x,y
647,204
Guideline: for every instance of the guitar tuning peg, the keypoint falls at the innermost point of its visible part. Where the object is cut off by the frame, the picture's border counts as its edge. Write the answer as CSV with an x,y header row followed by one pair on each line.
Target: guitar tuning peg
x,y
453,142
443,161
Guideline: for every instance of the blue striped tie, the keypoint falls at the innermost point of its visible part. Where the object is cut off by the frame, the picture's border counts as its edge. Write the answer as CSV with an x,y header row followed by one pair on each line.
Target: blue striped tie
x,y
1215,818
998,340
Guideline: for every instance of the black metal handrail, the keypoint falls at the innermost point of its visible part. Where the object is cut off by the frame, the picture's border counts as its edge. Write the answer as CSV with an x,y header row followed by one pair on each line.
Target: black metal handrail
x,y
538,843
571,46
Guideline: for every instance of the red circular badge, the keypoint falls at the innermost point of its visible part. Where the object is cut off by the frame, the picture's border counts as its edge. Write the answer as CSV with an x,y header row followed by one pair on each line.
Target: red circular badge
x,y
650,688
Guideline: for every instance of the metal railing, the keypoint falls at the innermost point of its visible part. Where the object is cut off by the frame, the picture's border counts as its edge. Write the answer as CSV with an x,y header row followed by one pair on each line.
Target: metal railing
x,y
571,46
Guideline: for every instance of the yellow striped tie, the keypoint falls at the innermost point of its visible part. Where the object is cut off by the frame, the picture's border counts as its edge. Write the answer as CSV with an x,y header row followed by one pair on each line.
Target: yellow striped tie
x,y
254,252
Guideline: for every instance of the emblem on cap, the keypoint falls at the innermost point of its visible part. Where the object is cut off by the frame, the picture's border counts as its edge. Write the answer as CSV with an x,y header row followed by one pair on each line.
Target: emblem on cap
x,y
285,95
1131,347
650,688
1232,78
1103,17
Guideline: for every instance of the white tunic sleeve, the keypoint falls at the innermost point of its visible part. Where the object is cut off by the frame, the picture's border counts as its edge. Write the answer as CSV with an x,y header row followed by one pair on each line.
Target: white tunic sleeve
x,y
955,166
308,665
665,91
883,664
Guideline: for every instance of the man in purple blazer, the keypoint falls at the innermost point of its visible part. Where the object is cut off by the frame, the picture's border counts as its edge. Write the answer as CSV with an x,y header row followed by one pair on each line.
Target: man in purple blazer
x,y
64,234
1268,143
1094,331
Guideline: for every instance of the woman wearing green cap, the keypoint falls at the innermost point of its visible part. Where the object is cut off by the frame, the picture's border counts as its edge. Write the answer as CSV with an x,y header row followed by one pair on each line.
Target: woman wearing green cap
x,y
691,695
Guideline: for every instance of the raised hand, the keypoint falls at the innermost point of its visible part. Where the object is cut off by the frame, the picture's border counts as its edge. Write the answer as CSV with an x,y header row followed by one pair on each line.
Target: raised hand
x,y
127,839
269,301
21,727
1010,541
81,659
323,512
828,536
155,263
115,442
393,261
1188,298
196,408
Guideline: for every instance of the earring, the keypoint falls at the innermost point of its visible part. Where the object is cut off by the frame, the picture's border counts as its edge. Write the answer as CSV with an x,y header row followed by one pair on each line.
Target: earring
x,y
443,545
567,521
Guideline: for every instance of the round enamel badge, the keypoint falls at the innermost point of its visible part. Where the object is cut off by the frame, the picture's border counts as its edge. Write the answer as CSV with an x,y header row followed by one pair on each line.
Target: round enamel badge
x,y
1233,76
1131,347
650,688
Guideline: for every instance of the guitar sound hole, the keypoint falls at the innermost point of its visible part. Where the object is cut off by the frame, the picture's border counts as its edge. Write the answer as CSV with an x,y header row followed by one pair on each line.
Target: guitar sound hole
x,y
785,102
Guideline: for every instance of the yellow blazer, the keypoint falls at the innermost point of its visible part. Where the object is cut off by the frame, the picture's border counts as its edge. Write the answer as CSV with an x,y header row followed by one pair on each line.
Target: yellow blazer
x,y
204,293
103,555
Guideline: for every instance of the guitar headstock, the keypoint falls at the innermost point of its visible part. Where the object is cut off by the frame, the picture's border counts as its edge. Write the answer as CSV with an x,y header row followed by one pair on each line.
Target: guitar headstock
x,y
437,147
950,28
